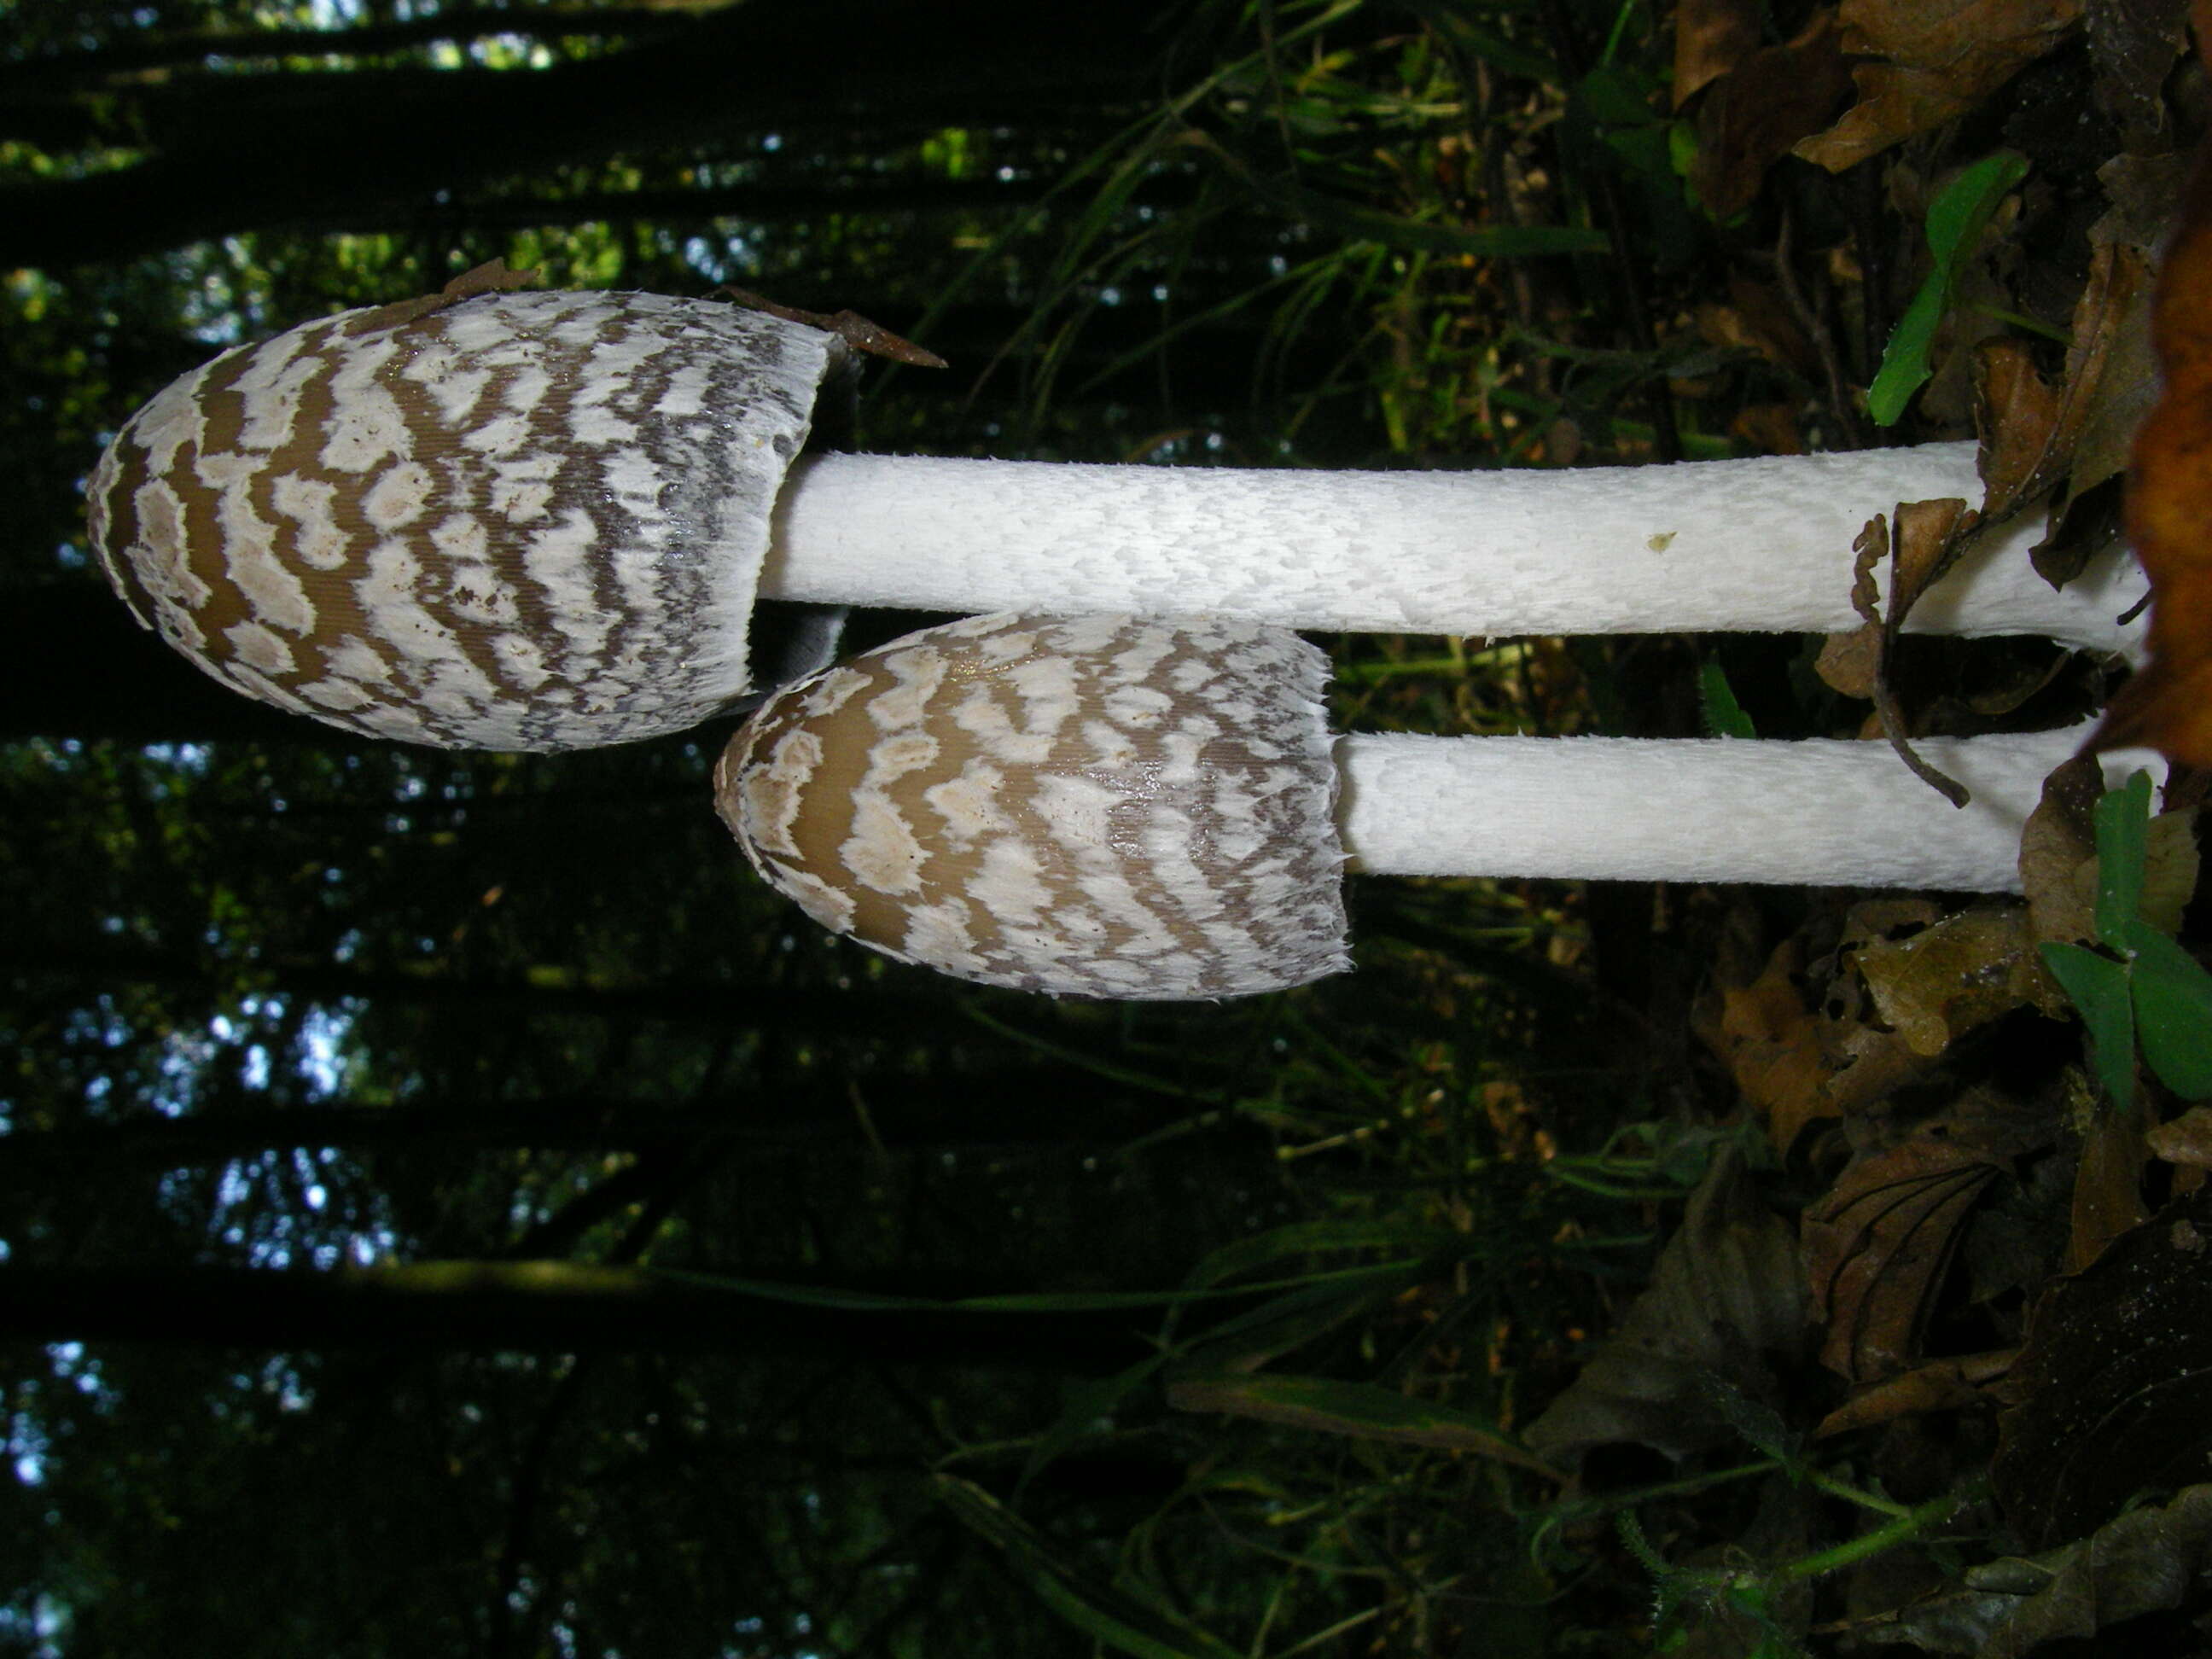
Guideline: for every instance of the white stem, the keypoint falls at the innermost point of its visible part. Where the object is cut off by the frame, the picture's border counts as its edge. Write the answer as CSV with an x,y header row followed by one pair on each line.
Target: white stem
x,y
1759,545
1820,813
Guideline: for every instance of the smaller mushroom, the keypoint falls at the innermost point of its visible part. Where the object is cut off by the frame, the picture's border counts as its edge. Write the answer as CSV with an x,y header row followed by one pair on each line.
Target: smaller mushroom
x,y
1148,809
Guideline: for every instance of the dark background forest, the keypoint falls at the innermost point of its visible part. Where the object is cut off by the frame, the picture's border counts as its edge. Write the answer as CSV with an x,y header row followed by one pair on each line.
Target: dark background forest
x,y
449,1206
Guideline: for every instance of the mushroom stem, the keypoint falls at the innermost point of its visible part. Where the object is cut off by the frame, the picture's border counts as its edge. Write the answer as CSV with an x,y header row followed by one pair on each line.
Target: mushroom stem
x,y
1758,545
1820,813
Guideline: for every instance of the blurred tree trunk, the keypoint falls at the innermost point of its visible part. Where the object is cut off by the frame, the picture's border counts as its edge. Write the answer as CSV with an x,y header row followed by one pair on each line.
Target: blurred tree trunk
x,y
917,1009
242,152
991,1108
79,666
546,1307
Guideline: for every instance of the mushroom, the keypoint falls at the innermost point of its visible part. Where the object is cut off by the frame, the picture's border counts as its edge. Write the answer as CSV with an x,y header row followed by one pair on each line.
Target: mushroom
x,y
1149,809
493,520
540,520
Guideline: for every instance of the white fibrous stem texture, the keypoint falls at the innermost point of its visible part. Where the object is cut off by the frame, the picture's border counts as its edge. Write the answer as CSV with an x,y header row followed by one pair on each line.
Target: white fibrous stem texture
x,y
1816,812
1761,545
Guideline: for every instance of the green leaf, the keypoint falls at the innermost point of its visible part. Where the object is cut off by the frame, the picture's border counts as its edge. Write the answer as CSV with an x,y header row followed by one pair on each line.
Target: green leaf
x,y
1100,1611
2173,1011
1725,715
2099,988
1290,1321
1956,220
2122,819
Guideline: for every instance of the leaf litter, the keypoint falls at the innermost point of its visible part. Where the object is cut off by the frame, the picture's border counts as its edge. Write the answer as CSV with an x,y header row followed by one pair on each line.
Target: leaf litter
x,y
2000,1264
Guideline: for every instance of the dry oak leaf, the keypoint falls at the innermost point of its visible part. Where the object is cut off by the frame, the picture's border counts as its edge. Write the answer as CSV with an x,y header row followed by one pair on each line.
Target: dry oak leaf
x,y
1935,59
1876,1248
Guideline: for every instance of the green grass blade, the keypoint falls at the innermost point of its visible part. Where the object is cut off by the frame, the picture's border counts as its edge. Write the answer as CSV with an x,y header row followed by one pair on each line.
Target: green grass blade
x,y
1359,1410
2122,818
1956,220
1101,1612
1303,1238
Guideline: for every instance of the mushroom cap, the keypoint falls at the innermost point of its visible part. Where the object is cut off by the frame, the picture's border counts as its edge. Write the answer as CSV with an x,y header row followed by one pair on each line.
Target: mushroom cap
x,y
1109,806
507,521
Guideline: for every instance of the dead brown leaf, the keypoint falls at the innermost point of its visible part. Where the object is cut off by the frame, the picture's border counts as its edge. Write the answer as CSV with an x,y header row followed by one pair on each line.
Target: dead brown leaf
x,y
1849,662
2037,438
2016,411
2186,1140
1725,1307
1935,59
1768,429
1877,1245
493,277
2115,1385
2113,354
1770,1039
1934,986
1711,37
2169,704
2134,43
2144,192
1946,1385
2150,1560
1872,1060
2059,859
2058,854
1925,544
2107,1183
1757,318
1769,100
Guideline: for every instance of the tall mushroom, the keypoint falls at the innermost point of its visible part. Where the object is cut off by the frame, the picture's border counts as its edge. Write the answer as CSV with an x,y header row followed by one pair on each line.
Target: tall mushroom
x,y
1145,808
540,521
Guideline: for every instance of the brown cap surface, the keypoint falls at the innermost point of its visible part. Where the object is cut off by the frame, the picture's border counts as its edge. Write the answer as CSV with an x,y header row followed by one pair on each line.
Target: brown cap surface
x,y
1109,806
507,521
